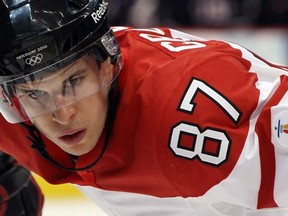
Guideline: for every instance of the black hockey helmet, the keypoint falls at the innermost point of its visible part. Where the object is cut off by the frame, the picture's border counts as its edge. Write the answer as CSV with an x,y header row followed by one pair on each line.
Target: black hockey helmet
x,y
46,35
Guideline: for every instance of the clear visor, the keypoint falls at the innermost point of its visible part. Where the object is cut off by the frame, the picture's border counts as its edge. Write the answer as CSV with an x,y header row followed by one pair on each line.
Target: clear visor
x,y
44,91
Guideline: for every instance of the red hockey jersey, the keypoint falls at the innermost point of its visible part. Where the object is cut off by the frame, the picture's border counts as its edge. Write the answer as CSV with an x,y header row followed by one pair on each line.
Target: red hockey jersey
x,y
200,124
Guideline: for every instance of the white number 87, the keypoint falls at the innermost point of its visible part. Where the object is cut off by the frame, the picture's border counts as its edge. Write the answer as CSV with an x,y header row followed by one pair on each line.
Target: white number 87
x,y
200,137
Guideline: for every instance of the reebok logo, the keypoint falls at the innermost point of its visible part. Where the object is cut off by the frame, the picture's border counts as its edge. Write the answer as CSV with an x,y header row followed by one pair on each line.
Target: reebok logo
x,y
97,15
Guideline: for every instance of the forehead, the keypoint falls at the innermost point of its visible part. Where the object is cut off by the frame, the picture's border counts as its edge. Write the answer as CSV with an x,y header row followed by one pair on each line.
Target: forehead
x,y
47,74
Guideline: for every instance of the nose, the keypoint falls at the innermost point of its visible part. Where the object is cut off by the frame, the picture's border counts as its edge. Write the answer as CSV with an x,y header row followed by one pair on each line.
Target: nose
x,y
65,114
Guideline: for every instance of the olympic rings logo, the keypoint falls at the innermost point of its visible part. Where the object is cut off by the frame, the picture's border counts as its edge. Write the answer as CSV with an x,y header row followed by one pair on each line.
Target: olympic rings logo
x,y
33,60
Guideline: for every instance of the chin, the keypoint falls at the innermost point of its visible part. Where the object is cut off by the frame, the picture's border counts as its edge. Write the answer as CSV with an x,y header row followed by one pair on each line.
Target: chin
x,y
79,150
73,151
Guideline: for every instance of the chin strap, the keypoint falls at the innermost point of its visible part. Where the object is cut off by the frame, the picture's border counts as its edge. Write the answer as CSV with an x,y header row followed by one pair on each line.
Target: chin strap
x,y
39,145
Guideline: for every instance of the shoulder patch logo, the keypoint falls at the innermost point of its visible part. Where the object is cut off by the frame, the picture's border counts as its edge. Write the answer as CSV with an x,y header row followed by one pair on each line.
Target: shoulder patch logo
x,y
280,129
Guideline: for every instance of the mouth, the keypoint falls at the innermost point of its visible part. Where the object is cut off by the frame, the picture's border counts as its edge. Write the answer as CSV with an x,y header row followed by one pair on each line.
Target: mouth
x,y
72,137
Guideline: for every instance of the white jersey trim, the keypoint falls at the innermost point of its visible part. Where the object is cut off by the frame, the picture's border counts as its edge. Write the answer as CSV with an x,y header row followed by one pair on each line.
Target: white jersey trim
x,y
132,204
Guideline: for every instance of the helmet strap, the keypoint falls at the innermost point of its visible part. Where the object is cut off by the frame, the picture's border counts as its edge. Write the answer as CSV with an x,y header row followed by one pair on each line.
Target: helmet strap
x,y
39,145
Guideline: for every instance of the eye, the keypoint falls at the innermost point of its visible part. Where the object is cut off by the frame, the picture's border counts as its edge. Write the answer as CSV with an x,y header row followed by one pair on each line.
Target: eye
x,y
75,80
35,94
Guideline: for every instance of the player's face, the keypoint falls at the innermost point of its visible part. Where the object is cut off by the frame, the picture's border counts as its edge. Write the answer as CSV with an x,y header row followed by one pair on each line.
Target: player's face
x,y
76,127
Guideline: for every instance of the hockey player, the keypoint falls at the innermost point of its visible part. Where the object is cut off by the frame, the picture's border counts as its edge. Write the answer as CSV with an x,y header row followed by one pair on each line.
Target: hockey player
x,y
144,121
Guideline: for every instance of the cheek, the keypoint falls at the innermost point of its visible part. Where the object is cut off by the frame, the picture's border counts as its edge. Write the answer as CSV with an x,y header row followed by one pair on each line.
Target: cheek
x,y
98,105
43,123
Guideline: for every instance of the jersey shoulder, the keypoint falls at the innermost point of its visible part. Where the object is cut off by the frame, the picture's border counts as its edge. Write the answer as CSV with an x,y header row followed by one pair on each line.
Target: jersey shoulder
x,y
167,41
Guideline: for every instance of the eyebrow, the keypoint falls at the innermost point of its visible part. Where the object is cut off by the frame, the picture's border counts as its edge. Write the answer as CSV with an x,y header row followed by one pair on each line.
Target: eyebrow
x,y
66,73
64,70
26,85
